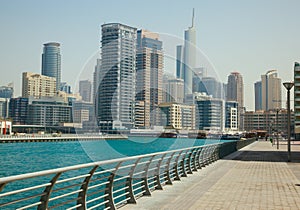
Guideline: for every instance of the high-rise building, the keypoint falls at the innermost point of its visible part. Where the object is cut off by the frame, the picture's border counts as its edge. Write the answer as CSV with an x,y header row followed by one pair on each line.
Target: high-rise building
x,y
189,57
4,103
51,62
235,88
18,110
231,115
211,86
65,87
258,96
37,85
85,90
116,92
6,91
149,74
297,98
179,61
271,90
174,90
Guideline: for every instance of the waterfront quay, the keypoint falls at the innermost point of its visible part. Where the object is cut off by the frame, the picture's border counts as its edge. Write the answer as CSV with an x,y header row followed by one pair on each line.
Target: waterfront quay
x,y
57,137
256,177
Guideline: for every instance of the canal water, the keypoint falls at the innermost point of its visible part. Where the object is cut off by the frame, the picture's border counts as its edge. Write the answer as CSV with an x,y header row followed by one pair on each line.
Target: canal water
x,y
20,158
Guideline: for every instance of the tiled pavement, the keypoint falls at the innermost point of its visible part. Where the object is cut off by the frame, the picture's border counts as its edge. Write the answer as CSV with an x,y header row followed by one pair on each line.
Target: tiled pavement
x,y
256,177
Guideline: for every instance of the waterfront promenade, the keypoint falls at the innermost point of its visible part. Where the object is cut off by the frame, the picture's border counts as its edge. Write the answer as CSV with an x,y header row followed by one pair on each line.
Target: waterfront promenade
x,y
256,177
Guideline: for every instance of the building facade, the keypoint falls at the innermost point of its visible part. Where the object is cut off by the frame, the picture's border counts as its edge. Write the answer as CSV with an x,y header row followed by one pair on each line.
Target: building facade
x,y
4,107
149,75
18,110
174,90
231,115
297,98
85,90
6,91
116,92
269,121
258,95
51,62
211,86
177,116
38,85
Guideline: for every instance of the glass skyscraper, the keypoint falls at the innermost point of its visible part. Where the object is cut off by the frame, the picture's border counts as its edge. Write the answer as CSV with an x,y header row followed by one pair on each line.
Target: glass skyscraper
x,y
51,62
116,89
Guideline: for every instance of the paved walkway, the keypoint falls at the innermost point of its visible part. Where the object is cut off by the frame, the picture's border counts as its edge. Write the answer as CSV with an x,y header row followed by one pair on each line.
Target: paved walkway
x,y
256,177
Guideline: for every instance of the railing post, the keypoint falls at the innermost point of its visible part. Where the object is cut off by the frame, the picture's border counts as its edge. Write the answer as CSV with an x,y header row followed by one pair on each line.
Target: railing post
x,y
169,181
189,171
2,186
194,156
202,156
177,177
109,188
183,166
129,184
85,184
198,157
48,190
146,185
157,177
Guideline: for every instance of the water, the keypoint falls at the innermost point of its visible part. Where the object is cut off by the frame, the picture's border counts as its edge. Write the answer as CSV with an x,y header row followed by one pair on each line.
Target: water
x,y
19,158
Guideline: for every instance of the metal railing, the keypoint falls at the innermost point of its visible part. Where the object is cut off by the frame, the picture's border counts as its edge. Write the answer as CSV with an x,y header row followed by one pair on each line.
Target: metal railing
x,y
107,184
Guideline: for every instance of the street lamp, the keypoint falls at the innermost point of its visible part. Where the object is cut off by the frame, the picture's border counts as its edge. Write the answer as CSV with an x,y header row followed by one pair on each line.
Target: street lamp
x,y
289,86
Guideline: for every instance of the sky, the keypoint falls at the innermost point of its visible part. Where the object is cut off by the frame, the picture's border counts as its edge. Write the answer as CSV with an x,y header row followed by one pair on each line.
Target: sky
x,y
250,36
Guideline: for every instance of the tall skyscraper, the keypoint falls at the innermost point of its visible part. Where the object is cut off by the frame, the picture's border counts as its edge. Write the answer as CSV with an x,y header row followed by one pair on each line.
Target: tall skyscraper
x,y
235,88
258,96
6,91
37,85
179,61
271,90
149,74
174,91
85,90
116,91
211,86
297,98
189,57
51,62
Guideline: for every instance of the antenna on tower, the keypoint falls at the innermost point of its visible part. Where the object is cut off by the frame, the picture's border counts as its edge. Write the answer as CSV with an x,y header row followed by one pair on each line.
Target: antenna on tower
x,y
193,17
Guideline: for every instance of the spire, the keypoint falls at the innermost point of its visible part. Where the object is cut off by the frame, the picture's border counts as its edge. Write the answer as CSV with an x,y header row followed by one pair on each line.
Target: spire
x,y
193,17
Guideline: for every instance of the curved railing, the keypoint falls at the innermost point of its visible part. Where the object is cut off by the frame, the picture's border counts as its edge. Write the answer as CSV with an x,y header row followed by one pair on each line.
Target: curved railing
x,y
106,184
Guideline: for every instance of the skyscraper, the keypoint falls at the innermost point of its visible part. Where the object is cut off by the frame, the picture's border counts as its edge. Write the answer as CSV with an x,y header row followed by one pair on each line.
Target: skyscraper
x,y
179,61
235,88
258,96
85,90
271,90
189,57
51,62
116,90
149,74
297,98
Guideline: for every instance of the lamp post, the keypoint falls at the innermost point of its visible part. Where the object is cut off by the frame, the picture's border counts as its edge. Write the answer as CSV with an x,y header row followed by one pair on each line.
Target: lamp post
x,y
289,86
277,127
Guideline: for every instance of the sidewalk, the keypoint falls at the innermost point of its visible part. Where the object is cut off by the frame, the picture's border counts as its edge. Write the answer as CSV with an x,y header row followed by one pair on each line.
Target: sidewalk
x,y
256,177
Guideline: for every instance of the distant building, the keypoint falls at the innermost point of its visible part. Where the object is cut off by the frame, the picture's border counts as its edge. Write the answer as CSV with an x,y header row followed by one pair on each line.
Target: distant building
x,y
271,90
174,90
258,95
211,86
4,107
297,98
209,112
177,116
116,92
51,62
85,90
18,110
140,119
48,111
38,85
65,87
83,111
267,121
6,92
231,115
149,74
179,61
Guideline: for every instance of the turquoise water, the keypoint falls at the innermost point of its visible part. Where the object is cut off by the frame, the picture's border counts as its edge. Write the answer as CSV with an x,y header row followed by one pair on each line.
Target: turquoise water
x,y
19,158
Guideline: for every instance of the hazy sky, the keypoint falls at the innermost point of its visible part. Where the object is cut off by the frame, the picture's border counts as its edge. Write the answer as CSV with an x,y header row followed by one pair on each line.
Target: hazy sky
x,y
250,36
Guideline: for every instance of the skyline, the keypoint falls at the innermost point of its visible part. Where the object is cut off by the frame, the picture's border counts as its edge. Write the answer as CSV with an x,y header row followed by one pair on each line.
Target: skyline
x,y
248,37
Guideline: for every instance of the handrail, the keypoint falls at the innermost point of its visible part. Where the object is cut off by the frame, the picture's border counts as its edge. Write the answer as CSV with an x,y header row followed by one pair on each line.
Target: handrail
x,y
108,183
